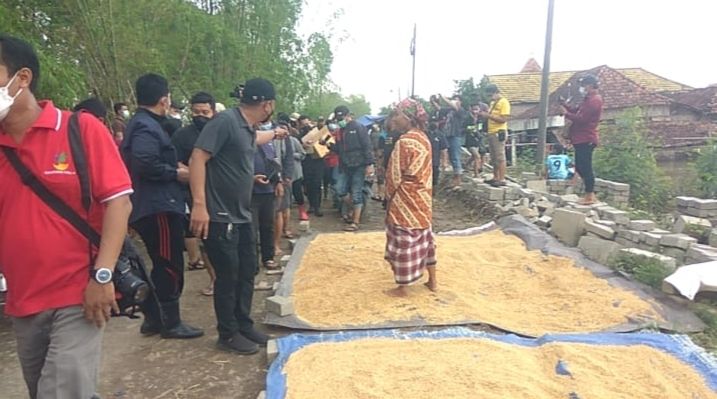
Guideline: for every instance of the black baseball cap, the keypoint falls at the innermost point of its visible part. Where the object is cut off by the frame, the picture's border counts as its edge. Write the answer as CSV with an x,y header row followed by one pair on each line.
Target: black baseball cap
x,y
177,105
588,80
257,90
341,111
491,88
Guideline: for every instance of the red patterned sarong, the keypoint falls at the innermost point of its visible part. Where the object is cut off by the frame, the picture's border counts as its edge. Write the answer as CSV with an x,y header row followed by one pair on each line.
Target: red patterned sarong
x,y
409,251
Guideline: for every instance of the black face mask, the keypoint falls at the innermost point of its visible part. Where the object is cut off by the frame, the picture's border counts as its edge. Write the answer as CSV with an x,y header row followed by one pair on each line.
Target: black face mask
x,y
200,121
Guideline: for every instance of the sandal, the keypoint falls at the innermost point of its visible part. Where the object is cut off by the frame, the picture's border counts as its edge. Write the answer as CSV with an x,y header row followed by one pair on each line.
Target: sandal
x,y
270,265
347,219
289,235
351,227
376,198
197,265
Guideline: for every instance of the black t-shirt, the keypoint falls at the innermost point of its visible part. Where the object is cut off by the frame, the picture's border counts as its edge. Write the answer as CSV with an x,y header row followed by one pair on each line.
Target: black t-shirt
x,y
230,171
183,141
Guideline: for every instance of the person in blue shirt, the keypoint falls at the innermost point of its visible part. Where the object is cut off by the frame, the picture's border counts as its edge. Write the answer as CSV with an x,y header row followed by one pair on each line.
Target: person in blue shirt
x,y
559,164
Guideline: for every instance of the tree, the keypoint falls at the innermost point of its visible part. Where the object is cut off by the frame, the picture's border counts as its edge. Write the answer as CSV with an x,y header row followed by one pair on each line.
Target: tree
x,y
706,166
100,47
625,155
469,91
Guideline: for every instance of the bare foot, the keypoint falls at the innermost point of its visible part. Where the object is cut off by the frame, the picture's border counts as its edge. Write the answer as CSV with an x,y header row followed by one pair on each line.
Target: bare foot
x,y
398,292
431,285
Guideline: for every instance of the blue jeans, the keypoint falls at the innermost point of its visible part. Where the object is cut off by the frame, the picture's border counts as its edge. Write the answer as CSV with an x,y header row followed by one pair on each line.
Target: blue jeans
x,y
351,179
454,153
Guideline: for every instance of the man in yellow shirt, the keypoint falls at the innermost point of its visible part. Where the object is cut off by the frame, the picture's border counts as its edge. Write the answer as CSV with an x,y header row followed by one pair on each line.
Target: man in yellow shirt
x,y
497,117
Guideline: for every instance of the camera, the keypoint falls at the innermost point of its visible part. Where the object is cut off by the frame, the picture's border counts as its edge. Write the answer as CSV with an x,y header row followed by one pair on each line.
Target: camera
x,y
133,289
237,92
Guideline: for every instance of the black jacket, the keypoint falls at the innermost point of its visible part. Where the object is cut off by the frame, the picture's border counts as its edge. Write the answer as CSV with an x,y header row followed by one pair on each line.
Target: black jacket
x,y
152,163
354,147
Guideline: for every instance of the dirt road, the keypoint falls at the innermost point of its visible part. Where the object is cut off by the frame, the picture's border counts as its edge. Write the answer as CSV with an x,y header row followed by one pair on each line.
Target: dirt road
x,y
149,367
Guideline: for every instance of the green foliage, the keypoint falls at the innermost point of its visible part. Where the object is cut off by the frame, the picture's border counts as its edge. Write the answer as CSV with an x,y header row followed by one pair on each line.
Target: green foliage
x,y
468,91
645,270
525,162
100,47
324,104
625,155
706,166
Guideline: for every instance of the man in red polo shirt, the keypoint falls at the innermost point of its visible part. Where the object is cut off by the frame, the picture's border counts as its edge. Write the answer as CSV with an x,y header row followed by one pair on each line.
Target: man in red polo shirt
x,y
59,302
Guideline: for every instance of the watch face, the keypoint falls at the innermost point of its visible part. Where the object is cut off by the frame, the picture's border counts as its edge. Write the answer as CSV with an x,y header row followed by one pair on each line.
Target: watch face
x,y
103,276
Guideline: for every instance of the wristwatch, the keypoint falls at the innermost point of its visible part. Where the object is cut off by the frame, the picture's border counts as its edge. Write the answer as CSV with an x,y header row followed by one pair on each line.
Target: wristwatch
x,y
102,275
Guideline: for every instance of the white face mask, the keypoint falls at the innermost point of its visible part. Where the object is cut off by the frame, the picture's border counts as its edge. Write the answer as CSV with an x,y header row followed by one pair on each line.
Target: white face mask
x,y
582,90
6,100
125,114
266,126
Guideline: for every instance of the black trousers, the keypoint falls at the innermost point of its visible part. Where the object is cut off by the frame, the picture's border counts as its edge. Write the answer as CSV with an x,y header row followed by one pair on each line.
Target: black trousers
x,y
584,165
232,250
328,178
436,176
297,188
163,235
313,177
262,206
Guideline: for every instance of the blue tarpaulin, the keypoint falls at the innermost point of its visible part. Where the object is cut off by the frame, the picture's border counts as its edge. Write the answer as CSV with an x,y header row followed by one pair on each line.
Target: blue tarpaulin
x,y
368,120
679,346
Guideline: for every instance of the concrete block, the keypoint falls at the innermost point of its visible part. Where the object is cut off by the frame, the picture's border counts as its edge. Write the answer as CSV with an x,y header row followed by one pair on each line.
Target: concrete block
x,y
700,213
692,226
712,239
527,212
553,198
597,249
537,185
275,287
262,395
651,239
621,187
701,253
284,260
544,221
630,235
304,225
681,241
569,198
275,272
668,263
625,243
660,231
568,226
684,202
582,208
675,253
642,225
600,230
292,243
272,351
608,223
280,305
495,193
529,176
262,286
704,204
617,216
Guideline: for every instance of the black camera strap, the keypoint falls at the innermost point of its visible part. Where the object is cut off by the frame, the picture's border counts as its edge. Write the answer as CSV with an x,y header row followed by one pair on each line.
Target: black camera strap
x,y
52,200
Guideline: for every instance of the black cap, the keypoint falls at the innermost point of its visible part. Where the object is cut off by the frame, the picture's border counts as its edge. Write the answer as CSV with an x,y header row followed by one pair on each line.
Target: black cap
x,y
491,88
177,105
341,111
588,80
257,90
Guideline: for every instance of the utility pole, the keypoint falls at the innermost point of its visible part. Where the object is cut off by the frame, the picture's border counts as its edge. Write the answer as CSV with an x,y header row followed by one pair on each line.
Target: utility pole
x,y
413,54
544,87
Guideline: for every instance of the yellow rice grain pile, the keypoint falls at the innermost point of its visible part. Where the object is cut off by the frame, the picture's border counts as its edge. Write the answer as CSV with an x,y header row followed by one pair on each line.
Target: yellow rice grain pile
x,y
490,277
486,369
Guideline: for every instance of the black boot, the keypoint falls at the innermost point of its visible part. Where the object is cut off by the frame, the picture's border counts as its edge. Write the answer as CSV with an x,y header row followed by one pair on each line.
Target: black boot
x,y
173,326
152,323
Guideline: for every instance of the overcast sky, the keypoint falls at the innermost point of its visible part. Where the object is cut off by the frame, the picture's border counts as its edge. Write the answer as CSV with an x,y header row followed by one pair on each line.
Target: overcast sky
x,y
458,39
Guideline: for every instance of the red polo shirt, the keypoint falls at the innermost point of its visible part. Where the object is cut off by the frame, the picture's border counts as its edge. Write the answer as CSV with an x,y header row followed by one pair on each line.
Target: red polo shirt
x,y
45,260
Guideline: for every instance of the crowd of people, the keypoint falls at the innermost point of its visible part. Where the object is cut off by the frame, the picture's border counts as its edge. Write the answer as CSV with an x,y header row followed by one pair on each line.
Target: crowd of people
x,y
212,182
